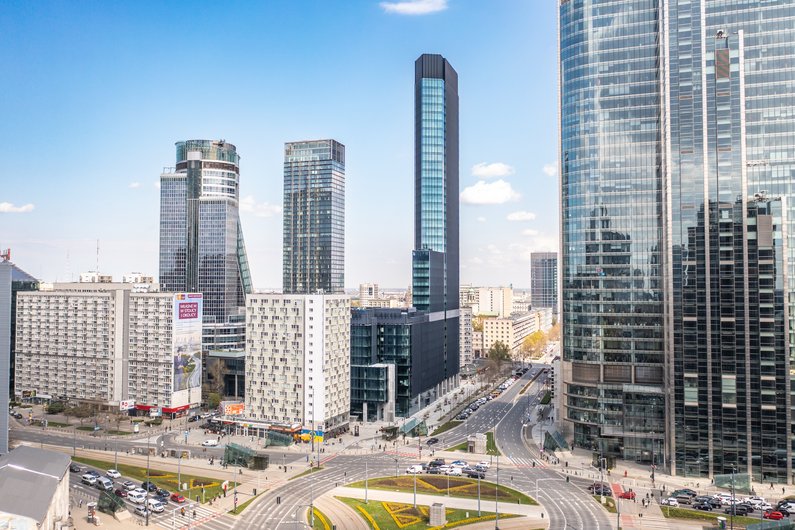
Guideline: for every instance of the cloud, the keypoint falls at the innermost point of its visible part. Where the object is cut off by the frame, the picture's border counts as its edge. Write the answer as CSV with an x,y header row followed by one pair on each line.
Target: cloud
x,y
521,216
157,184
482,192
550,169
529,232
414,7
493,170
7,207
481,219
134,185
263,209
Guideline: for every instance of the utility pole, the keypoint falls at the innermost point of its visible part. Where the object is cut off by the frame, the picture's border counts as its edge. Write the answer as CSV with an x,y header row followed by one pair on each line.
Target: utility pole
x,y
146,495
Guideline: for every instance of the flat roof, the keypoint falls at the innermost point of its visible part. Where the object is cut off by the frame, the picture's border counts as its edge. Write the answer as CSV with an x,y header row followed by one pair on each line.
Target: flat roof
x,y
28,480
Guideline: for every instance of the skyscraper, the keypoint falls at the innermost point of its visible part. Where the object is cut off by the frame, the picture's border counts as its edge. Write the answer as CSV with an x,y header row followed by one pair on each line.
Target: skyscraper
x,y
435,256
544,280
677,165
201,241
314,217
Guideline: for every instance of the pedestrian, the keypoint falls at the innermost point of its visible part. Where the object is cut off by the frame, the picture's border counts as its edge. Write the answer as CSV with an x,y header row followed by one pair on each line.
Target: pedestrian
x,y
182,511
80,503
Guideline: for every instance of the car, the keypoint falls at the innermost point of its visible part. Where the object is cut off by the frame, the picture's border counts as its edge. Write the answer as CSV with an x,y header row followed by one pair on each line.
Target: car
x,y
129,485
459,463
670,501
785,512
141,510
88,479
737,509
155,505
703,506
684,499
432,441
484,464
120,492
93,473
434,470
74,468
436,462
629,494
138,491
163,499
112,473
162,493
684,491
136,497
210,443
414,470
598,485
480,468
773,515
104,484
454,471
149,486
176,497
474,473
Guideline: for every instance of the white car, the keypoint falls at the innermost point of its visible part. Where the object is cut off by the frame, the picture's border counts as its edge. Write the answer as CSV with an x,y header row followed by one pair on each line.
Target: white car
x,y
155,505
484,464
414,470
141,510
136,497
209,443
112,473
670,501
455,471
88,479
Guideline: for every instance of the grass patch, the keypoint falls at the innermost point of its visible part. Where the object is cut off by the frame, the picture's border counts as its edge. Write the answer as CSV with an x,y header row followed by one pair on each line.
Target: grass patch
x,y
308,471
491,446
243,506
118,433
610,503
437,485
322,522
546,399
452,424
524,388
54,424
89,428
164,479
392,515
460,447
698,515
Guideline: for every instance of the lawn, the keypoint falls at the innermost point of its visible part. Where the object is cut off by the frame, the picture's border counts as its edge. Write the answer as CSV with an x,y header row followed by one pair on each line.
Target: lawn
x,y
491,447
118,433
322,522
51,423
610,504
683,513
392,515
546,399
308,471
524,388
164,479
437,485
452,424
86,428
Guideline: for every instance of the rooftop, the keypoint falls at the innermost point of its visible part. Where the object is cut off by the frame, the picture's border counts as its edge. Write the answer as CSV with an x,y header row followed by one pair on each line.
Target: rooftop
x,y
28,480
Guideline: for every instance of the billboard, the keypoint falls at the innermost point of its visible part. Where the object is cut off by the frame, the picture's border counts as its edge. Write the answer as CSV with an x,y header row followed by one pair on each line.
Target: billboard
x,y
232,408
187,347
126,404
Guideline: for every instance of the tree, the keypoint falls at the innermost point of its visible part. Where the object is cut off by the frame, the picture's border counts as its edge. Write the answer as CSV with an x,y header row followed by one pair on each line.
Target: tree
x,y
56,407
498,355
554,332
81,412
213,400
533,345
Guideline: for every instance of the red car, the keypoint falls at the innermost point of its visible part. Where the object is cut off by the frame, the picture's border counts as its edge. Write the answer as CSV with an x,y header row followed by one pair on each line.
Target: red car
x,y
176,497
627,495
776,516
120,492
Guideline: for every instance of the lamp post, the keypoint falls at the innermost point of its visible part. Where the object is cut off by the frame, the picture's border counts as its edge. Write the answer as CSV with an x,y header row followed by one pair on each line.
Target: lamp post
x,y
415,490
146,495
179,472
478,494
497,497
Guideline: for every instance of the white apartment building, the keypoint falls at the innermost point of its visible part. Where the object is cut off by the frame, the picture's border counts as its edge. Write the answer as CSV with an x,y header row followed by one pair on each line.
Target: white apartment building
x,y
512,330
465,338
95,277
488,301
368,291
104,343
477,344
298,364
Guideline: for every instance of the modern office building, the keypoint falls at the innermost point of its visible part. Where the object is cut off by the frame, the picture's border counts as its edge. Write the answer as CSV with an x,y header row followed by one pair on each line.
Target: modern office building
x,y
314,217
201,241
101,343
298,360
435,263
544,280
677,162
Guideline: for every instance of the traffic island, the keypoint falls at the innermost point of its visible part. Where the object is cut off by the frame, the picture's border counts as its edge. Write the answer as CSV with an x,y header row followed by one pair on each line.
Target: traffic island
x,y
491,446
383,515
697,515
322,522
458,487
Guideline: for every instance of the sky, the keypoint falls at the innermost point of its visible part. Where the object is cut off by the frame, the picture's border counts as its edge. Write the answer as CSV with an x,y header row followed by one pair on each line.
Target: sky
x,y
95,94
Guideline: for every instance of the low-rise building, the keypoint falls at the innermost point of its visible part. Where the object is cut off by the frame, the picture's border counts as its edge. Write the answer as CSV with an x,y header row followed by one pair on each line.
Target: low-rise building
x,y
34,489
298,360
512,330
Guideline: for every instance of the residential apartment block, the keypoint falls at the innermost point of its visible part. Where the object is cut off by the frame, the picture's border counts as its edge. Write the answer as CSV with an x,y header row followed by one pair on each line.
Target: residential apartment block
x,y
298,360
512,330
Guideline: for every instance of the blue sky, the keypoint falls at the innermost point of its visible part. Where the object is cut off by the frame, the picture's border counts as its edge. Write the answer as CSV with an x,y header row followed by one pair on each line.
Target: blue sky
x,y
96,93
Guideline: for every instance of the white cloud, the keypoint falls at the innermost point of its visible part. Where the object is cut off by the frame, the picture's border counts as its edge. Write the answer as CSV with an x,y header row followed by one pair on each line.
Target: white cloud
x,y
135,185
414,7
521,216
7,207
263,209
529,232
157,184
493,170
482,192
550,169
481,219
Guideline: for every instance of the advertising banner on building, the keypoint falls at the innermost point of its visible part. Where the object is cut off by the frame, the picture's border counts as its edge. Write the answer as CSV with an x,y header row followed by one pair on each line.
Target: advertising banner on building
x,y
187,347
126,404
231,408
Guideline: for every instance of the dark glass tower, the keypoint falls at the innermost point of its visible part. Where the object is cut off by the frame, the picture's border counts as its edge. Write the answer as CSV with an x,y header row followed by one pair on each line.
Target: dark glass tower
x,y
544,280
201,241
314,217
435,256
677,171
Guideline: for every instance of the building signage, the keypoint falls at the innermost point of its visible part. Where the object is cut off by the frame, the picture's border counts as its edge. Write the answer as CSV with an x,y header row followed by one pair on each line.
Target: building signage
x,y
127,404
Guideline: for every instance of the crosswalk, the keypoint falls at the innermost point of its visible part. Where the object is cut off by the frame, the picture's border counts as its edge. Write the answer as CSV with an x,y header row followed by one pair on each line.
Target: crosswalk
x,y
524,463
195,515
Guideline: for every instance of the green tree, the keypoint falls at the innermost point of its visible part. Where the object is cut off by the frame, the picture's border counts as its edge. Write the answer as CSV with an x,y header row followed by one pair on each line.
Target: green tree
x,y
213,400
499,354
81,412
56,407
533,345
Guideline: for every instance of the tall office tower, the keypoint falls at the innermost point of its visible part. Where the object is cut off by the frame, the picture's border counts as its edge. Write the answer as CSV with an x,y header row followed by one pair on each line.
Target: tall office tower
x,y
435,255
677,165
314,217
201,241
544,280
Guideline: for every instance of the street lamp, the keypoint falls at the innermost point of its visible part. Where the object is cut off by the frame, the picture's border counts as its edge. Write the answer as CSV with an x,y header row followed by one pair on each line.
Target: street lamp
x,y
497,497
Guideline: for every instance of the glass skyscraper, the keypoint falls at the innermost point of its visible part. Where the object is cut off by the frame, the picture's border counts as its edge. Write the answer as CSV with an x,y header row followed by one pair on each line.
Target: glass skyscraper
x,y
677,172
314,217
201,241
544,280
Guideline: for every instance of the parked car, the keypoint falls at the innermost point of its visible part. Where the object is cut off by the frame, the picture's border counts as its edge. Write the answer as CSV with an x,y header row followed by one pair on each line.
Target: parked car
x,y
629,494
670,501
74,468
112,473
773,515
120,492
176,497
432,441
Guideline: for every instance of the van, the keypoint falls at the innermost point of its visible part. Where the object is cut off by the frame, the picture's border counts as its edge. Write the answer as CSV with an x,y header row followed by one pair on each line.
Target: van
x,y
137,497
414,470
155,505
104,483
684,499
88,479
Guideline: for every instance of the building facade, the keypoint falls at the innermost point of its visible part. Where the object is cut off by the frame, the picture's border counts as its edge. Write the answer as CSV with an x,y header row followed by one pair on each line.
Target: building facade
x,y
514,329
677,165
465,339
103,344
314,217
435,259
201,240
298,360
544,280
